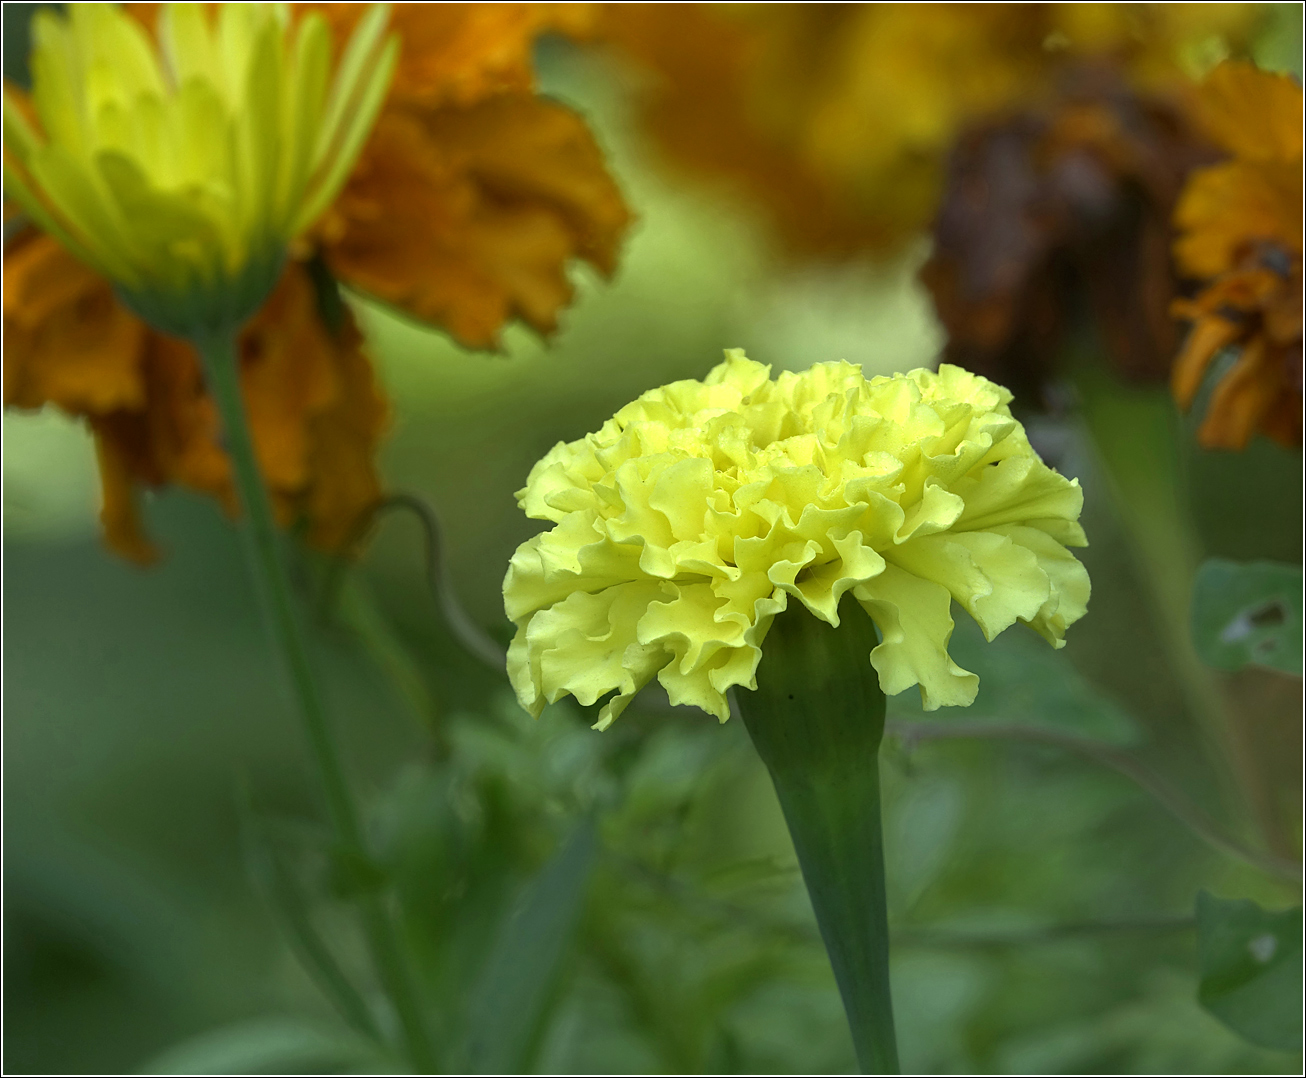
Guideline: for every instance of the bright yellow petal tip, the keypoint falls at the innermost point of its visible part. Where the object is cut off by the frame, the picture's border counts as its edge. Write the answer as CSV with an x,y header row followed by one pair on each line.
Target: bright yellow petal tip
x,y
182,170
699,511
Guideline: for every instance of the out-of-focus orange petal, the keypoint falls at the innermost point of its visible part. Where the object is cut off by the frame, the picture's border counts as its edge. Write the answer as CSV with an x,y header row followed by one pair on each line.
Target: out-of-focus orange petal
x,y
287,375
1208,337
343,442
316,414
709,106
468,217
1241,229
1240,401
1226,208
67,339
1255,115
456,54
119,513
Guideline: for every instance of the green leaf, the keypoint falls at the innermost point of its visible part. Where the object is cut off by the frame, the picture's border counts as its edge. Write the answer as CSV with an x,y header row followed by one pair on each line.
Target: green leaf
x,y
270,1046
1250,964
509,1000
1248,612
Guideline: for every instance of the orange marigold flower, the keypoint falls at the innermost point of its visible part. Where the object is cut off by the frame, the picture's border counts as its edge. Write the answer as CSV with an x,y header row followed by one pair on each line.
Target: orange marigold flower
x,y
315,411
1240,228
465,207
837,118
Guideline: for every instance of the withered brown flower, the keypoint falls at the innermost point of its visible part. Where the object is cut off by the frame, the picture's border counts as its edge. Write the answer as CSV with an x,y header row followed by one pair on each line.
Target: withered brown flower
x,y
1058,215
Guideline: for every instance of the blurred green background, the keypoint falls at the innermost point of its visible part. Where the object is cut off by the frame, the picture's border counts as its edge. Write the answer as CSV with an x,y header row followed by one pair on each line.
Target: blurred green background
x,y
1042,904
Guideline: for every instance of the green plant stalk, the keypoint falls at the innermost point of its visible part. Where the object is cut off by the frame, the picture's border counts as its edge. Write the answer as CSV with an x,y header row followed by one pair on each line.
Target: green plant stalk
x,y
221,365
817,719
1137,434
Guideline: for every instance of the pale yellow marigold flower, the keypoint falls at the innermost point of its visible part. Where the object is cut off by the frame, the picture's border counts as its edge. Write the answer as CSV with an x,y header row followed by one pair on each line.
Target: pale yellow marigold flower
x,y
182,173
689,521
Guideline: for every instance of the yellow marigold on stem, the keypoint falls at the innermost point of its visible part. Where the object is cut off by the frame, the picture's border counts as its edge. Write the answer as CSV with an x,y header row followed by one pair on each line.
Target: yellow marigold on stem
x,y
700,511
1240,228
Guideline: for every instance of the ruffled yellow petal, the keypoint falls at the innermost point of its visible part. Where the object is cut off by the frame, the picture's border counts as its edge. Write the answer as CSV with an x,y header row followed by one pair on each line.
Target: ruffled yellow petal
x,y
914,623
700,511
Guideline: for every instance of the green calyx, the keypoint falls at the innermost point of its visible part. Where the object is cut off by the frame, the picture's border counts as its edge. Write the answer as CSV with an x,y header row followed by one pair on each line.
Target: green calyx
x,y
816,719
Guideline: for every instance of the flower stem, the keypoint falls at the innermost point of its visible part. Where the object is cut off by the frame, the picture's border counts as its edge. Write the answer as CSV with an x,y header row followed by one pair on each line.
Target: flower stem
x,y
221,366
816,720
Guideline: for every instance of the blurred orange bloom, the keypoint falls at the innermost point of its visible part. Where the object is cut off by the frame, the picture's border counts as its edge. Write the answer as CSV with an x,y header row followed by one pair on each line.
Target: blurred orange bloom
x,y
1241,234
464,209
837,118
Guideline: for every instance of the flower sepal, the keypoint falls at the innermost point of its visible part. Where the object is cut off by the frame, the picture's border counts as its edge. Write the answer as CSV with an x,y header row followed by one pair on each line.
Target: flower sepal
x,y
208,309
816,719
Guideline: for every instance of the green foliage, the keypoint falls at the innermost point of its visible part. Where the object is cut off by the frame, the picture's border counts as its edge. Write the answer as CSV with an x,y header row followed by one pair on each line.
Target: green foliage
x,y
271,1046
1250,961
1248,614
518,980
133,926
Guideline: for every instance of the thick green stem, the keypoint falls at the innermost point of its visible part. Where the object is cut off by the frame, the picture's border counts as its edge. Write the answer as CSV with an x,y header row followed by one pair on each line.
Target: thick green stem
x,y
817,719
221,366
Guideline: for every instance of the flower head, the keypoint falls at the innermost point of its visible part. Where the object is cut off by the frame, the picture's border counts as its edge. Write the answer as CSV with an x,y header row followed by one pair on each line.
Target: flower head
x,y
464,208
1240,228
701,510
182,171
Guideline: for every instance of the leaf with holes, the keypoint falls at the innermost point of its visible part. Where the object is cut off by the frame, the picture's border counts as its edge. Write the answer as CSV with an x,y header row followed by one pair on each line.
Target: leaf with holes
x,y
1250,966
1248,613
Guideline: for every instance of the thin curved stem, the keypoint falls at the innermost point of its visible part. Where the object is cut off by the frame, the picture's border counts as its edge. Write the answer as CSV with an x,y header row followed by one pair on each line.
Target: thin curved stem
x,y
221,365
1179,805
475,640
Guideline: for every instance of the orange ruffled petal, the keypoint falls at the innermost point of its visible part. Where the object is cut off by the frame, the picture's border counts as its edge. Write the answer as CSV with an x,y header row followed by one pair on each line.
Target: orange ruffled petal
x,y
316,413
1241,230
457,54
67,339
467,217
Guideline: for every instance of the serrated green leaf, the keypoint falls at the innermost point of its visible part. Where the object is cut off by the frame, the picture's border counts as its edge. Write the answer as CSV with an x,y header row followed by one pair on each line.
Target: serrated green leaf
x,y
1250,966
1248,613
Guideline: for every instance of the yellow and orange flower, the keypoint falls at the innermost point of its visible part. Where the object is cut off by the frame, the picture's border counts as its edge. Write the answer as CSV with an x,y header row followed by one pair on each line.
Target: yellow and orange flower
x,y
837,118
1240,228
470,198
